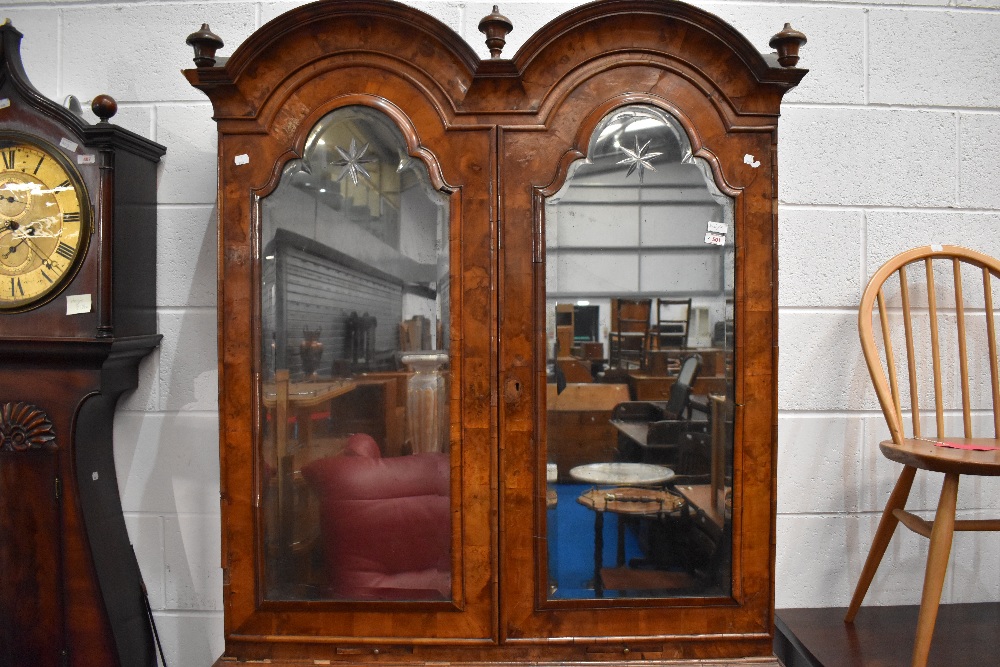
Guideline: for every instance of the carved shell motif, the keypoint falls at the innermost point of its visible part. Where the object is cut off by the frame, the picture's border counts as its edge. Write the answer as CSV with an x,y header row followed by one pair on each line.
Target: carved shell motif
x,y
24,426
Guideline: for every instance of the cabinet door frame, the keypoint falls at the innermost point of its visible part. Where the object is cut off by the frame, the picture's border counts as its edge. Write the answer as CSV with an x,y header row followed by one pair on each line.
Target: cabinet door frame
x,y
264,118
593,60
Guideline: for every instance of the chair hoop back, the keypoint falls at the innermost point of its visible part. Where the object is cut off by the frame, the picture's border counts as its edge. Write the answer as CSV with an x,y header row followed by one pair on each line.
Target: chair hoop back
x,y
901,377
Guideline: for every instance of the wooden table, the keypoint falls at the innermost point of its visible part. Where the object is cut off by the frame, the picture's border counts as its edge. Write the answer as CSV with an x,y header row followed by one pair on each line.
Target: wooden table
x,y
624,499
300,398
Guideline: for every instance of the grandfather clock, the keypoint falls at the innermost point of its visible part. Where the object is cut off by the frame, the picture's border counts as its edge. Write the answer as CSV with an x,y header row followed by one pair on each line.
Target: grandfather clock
x,y
77,315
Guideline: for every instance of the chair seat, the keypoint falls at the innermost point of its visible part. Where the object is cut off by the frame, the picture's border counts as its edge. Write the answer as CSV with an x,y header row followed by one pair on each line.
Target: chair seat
x,y
923,453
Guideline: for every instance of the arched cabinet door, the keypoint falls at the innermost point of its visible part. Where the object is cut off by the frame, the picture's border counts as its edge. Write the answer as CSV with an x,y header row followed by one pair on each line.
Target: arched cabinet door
x,y
356,351
497,338
639,288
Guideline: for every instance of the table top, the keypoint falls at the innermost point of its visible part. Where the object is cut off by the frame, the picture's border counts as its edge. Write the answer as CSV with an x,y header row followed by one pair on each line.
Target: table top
x,y
700,496
628,500
622,474
636,431
308,394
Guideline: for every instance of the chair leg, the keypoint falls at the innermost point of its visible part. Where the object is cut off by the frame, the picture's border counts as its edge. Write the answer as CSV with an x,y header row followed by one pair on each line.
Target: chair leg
x,y
937,565
883,534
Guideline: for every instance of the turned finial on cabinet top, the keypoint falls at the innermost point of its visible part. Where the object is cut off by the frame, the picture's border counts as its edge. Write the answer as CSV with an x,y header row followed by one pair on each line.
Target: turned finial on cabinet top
x,y
205,44
495,26
787,43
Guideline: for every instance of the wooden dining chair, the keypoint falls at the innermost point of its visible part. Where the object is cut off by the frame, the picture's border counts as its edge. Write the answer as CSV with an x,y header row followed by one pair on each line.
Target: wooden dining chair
x,y
629,333
929,338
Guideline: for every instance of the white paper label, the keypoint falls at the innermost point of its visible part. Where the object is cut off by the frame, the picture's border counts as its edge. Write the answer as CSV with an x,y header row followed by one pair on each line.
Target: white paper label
x,y
77,304
936,248
718,228
94,476
243,158
85,159
68,145
4,103
748,159
715,239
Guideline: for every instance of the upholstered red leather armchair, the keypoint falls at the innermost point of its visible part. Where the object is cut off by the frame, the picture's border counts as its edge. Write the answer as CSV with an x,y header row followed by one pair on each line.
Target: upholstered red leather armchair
x,y
385,523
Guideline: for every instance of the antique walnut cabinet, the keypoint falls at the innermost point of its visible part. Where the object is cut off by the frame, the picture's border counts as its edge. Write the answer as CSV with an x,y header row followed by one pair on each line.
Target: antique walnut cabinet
x,y
416,468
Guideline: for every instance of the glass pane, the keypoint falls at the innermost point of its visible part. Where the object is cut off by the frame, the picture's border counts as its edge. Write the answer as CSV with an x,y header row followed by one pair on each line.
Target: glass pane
x,y
353,465
640,268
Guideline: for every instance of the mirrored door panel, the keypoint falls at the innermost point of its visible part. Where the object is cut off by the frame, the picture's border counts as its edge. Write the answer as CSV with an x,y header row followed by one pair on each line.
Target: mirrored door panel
x,y
355,484
639,274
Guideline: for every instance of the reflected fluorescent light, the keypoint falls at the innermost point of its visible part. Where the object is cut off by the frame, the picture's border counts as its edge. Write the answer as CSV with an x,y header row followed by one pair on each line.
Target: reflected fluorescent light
x,y
583,303
321,142
644,124
610,129
269,257
322,189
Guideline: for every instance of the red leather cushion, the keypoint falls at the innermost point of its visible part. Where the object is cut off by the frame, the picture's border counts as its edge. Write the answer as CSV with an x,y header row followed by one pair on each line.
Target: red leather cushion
x,y
385,523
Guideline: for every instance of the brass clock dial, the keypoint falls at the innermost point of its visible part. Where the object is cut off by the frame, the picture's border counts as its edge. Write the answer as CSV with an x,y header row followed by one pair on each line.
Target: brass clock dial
x,y
44,222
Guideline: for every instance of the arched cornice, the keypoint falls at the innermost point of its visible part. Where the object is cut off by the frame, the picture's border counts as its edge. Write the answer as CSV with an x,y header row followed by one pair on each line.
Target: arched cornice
x,y
308,36
676,35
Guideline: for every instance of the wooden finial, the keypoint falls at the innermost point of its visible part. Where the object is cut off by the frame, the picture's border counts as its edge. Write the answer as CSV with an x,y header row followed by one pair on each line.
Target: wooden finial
x,y
495,26
205,44
787,44
104,107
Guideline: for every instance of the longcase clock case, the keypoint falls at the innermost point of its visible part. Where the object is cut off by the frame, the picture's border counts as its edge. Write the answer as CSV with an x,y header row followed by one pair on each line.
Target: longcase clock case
x,y
402,225
70,588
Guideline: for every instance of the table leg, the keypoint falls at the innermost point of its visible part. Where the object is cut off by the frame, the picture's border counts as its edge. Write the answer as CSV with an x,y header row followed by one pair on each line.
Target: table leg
x,y
621,540
598,553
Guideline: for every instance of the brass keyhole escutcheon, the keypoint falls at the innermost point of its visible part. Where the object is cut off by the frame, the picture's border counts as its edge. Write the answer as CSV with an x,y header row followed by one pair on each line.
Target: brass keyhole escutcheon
x,y
512,390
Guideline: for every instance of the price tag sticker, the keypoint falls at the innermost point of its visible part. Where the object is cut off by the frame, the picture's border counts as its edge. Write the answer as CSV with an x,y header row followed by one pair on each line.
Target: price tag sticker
x,y
71,146
77,304
715,239
85,159
241,159
718,227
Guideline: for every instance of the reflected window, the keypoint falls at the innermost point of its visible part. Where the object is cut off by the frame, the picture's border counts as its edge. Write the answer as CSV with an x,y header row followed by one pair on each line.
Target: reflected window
x,y
639,244
353,461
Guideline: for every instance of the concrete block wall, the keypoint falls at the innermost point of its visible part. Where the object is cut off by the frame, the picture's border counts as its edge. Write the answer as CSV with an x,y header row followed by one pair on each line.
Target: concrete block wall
x,y
893,140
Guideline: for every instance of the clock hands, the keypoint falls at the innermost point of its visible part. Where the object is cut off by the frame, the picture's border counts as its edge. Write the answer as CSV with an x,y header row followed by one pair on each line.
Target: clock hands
x,y
47,261
13,248
27,236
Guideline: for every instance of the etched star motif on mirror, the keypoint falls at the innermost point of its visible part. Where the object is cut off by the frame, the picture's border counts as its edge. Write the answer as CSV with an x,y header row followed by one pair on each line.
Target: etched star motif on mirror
x,y
353,162
639,159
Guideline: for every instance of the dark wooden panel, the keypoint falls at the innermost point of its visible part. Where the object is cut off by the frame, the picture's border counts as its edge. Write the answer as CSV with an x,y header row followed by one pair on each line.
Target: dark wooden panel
x,y
965,634
31,603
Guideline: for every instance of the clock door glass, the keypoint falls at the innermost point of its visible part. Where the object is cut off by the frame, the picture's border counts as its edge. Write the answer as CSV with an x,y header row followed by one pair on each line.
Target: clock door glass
x,y
42,223
640,265
354,439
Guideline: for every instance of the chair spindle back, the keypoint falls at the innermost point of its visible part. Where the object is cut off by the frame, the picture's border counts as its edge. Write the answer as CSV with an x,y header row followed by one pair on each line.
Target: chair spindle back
x,y
966,265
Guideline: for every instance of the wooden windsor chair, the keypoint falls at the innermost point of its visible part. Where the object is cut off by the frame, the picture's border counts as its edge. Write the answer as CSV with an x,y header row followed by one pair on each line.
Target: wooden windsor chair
x,y
907,388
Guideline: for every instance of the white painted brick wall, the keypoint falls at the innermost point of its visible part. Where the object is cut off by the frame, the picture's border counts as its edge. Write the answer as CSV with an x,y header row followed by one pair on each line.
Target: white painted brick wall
x,y
891,141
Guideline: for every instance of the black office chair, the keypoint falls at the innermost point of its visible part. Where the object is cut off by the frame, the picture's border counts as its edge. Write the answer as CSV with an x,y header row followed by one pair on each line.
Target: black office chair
x,y
668,421
680,391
